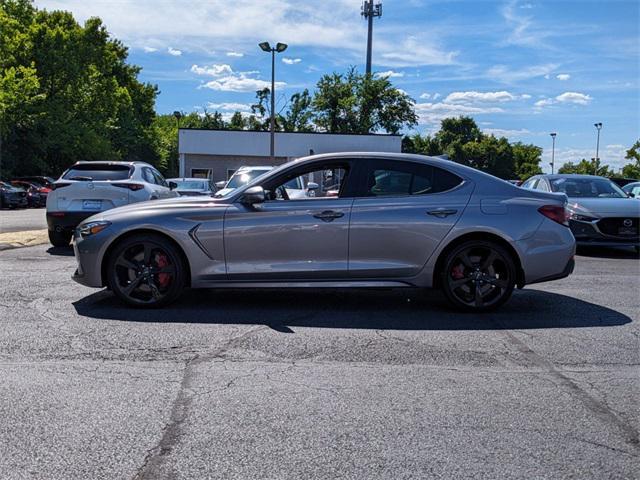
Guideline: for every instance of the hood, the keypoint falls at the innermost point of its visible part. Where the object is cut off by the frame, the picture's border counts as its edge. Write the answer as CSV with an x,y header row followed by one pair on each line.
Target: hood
x,y
611,207
150,208
191,192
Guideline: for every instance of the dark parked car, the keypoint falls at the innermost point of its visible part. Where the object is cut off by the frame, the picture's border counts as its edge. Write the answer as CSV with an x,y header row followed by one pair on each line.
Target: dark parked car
x,y
12,197
39,179
36,193
601,213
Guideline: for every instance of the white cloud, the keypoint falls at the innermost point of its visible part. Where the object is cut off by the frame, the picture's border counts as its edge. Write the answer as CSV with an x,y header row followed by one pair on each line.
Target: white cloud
x,y
215,70
230,106
390,74
149,49
481,97
566,97
173,51
412,51
436,96
574,97
425,96
507,74
563,76
524,31
235,54
432,113
228,80
291,61
500,132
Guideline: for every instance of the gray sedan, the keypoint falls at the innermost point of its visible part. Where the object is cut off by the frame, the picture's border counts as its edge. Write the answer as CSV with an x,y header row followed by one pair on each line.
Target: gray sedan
x,y
378,220
601,214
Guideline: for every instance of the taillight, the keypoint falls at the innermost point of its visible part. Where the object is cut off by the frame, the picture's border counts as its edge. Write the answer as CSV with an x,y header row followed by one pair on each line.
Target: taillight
x,y
131,186
556,213
56,186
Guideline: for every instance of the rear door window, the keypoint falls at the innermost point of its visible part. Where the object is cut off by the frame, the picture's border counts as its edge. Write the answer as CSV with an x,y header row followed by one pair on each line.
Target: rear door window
x,y
399,178
98,171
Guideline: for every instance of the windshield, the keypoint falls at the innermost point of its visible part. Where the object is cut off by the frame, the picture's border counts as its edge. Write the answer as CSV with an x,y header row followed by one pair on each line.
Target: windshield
x,y
191,185
98,171
243,177
587,188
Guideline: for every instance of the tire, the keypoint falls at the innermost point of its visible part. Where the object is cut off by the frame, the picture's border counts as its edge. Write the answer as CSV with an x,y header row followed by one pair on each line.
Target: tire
x,y
146,271
478,276
59,239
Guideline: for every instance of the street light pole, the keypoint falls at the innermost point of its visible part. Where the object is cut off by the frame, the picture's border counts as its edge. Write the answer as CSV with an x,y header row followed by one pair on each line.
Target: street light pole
x,y
279,48
553,150
598,127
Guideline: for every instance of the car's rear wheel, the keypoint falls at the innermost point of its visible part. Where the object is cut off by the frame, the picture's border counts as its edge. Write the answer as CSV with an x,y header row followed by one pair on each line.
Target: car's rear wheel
x,y
59,239
478,276
146,270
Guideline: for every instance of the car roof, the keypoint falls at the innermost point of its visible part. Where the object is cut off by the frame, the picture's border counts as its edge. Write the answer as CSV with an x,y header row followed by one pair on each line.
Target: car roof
x,y
107,162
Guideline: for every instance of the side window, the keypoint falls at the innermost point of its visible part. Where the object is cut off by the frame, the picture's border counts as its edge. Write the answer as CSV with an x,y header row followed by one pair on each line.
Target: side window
x,y
398,178
313,182
542,185
159,178
147,174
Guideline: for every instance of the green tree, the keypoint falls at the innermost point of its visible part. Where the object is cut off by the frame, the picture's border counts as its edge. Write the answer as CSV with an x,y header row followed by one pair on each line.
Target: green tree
x,y
490,154
586,167
526,160
355,103
67,93
237,122
632,170
298,116
426,145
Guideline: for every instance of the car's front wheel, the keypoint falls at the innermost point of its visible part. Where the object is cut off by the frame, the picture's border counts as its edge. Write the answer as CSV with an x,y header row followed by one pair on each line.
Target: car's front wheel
x,y
146,270
478,276
59,239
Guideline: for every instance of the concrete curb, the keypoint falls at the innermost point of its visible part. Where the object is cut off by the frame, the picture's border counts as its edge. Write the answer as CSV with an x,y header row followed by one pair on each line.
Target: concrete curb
x,y
23,239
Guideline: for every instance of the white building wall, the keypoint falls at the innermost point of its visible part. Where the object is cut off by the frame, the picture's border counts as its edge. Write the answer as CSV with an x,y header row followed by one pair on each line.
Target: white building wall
x,y
292,145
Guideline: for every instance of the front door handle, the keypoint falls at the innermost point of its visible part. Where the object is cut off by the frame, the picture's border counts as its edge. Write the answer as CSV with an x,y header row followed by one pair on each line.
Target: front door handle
x,y
328,215
442,212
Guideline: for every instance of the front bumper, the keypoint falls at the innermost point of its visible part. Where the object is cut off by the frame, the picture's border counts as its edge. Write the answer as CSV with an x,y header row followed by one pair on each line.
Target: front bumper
x,y
592,234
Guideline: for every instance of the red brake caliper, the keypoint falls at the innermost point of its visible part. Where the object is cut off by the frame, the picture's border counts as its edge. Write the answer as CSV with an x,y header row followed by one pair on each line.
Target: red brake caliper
x,y
457,272
163,278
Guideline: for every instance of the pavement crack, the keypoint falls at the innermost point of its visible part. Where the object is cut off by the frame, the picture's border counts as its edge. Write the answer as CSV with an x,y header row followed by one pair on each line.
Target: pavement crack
x,y
600,409
153,465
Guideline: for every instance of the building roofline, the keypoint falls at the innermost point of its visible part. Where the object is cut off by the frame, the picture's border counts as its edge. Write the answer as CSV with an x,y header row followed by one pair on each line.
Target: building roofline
x,y
305,133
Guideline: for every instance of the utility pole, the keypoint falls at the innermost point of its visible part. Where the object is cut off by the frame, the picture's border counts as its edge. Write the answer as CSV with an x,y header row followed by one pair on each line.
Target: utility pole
x,y
553,150
598,127
279,48
369,11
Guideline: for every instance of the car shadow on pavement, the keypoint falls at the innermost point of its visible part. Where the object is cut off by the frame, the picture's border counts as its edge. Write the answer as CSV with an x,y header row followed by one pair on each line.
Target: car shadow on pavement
x,y
356,309
606,252
60,251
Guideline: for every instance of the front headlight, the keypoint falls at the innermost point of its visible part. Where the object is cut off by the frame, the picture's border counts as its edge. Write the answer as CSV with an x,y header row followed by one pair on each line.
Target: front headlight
x,y
582,218
92,228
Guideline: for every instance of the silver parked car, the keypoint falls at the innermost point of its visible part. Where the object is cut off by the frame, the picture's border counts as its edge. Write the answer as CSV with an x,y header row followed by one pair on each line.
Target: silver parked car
x,y
192,186
601,213
377,220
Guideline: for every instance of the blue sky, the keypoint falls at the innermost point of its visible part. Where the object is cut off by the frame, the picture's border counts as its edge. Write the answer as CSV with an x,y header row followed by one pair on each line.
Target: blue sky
x,y
521,68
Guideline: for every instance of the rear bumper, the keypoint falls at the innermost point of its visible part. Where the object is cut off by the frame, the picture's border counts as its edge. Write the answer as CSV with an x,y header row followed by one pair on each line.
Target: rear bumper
x,y
568,270
66,221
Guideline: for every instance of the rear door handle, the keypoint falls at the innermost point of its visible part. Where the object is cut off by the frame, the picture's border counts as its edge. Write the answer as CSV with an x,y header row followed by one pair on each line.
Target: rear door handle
x,y
442,212
328,215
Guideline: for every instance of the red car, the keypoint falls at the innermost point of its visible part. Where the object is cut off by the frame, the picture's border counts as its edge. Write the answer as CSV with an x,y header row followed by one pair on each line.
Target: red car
x,y
36,193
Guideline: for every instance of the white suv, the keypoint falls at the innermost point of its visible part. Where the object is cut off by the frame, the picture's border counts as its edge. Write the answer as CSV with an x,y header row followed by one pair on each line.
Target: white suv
x,y
91,187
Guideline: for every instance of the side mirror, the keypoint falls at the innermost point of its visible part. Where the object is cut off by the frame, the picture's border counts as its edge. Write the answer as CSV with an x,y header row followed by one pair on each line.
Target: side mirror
x,y
220,185
312,188
631,194
173,185
253,195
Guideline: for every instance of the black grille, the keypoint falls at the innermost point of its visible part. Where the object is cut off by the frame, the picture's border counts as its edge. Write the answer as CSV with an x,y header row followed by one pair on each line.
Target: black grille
x,y
613,225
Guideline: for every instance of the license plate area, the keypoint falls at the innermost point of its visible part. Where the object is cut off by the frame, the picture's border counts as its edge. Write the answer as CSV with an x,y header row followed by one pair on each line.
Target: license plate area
x,y
92,204
627,231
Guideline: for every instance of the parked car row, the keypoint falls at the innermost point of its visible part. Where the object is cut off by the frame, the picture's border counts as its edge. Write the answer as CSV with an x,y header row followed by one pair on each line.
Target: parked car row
x,y
25,192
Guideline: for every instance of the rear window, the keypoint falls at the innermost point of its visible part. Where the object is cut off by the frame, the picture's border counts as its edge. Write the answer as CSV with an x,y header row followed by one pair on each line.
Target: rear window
x,y
98,171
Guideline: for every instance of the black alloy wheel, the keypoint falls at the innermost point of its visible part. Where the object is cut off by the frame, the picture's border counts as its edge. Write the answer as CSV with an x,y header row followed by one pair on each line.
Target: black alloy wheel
x,y
478,276
146,271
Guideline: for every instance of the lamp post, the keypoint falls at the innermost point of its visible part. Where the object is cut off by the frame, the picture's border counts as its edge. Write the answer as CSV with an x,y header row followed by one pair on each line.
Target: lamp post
x,y
598,127
553,150
178,116
279,48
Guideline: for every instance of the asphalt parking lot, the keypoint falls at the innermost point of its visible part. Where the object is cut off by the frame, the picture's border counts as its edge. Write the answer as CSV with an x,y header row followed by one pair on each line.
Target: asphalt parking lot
x,y
19,220
318,384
